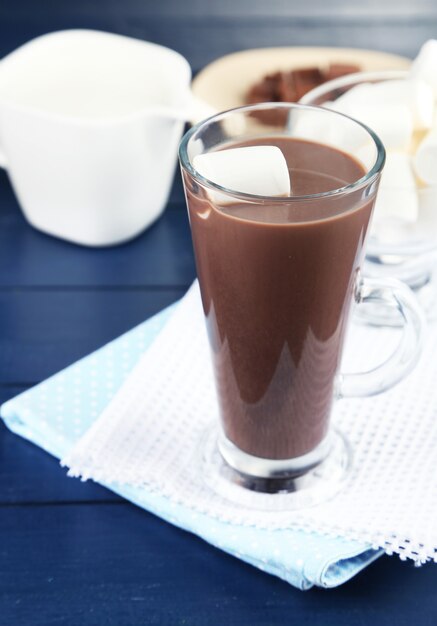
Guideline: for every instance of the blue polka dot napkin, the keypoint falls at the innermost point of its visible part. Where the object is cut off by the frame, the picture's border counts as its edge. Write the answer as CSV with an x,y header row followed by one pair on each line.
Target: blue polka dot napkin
x,y
57,412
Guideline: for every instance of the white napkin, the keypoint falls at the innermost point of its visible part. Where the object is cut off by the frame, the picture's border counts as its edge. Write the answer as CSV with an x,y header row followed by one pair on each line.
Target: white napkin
x,y
151,433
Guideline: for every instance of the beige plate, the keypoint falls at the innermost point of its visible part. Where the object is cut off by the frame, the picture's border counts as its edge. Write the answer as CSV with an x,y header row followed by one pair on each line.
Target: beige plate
x,y
223,83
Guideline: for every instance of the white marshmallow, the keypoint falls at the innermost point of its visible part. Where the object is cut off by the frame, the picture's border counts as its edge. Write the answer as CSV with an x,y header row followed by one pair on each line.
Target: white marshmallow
x,y
416,94
397,196
390,231
393,123
428,203
311,125
366,155
397,171
425,159
396,203
328,129
358,94
426,226
425,65
258,170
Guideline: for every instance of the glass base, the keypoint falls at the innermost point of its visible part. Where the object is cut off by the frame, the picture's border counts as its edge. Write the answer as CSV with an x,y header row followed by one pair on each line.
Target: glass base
x,y
275,485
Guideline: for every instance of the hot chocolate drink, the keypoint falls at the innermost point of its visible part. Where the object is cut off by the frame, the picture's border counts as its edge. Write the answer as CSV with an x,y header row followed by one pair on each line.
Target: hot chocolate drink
x,y
277,280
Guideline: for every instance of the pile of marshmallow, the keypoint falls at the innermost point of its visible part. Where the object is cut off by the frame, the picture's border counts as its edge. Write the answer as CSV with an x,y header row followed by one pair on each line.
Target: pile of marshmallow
x,y
402,113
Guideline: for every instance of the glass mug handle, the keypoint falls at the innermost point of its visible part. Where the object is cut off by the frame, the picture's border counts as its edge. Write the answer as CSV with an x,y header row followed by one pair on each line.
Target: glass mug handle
x,y
394,294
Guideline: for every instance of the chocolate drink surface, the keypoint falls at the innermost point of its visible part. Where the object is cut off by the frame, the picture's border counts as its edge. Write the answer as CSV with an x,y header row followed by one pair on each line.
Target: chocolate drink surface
x,y
277,281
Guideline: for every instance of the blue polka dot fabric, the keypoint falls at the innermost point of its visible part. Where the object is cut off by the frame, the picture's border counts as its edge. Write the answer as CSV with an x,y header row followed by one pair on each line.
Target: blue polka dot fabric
x,y
57,412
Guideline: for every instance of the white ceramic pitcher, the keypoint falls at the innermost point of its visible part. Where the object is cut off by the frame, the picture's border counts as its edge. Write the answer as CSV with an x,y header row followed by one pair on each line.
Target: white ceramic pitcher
x,y
89,128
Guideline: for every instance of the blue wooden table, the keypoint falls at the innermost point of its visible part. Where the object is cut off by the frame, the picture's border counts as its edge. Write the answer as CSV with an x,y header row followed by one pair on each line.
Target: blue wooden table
x,y
74,553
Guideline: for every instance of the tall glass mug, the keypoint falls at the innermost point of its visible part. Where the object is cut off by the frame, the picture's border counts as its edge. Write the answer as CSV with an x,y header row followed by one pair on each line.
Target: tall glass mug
x,y
278,276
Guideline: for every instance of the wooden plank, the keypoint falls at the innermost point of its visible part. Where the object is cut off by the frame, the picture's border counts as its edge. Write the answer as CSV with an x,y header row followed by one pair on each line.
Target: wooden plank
x,y
44,331
177,196
162,255
138,9
30,475
202,40
109,564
